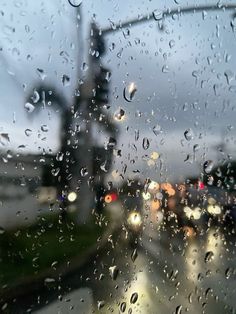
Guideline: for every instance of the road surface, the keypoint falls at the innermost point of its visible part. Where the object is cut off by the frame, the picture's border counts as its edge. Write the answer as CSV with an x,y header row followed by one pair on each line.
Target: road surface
x,y
168,275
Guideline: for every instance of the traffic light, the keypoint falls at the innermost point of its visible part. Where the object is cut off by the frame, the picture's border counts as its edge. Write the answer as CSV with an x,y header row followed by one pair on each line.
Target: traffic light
x,y
101,90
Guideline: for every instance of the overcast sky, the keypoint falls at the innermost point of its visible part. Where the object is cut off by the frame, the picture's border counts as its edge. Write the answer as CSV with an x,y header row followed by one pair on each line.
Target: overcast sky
x,y
180,74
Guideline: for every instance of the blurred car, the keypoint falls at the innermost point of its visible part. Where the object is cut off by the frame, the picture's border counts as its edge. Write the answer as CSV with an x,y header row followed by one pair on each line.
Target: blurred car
x,y
132,204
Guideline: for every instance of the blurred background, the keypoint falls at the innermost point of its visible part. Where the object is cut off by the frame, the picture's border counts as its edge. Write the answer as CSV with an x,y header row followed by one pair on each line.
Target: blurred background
x,y
117,134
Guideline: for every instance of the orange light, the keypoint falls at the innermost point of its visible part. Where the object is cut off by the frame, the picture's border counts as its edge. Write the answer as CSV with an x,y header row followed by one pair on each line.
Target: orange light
x,y
155,204
189,232
110,198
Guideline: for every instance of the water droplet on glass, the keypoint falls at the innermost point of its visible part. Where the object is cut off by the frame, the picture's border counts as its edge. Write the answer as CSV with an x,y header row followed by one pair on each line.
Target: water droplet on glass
x,y
208,166
123,307
190,297
229,76
146,143
157,129
84,171
136,135
134,297
101,304
119,115
129,92
204,15
29,107
44,128
55,172
104,166
4,138
41,74
165,69
134,255
65,80
157,15
188,134
111,143
28,132
108,76
84,66
35,98
59,156
228,272
75,3
113,270
210,180
178,309
171,43
196,148
209,256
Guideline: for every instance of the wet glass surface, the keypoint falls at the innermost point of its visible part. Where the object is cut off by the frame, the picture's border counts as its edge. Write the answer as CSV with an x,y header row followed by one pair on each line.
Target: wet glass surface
x,y
117,157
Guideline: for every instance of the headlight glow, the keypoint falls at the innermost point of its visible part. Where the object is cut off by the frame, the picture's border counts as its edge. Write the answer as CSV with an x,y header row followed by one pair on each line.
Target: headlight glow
x,y
214,209
211,201
146,196
72,196
135,219
153,187
194,213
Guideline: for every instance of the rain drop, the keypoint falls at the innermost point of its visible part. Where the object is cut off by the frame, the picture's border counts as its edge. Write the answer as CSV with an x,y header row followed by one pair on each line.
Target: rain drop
x,y
229,76
134,255
157,15
44,128
84,171
119,115
123,307
111,143
171,43
209,256
157,129
65,80
75,3
28,132
55,172
208,166
113,270
29,107
129,92
165,69
134,297
41,74
228,272
188,134
178,309
35,98
84,66
101,304
59,156
146,143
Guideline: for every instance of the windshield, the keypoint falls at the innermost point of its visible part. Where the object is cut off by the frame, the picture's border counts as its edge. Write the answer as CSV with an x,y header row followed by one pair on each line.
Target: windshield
x,y
117,168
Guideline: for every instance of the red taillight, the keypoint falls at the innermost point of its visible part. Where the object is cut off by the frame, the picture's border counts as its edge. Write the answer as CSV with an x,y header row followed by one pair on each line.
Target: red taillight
x,y
201,185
